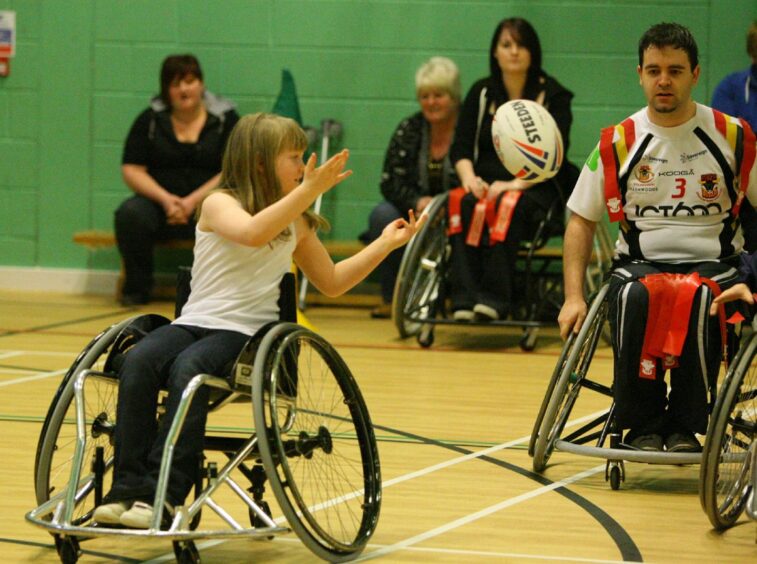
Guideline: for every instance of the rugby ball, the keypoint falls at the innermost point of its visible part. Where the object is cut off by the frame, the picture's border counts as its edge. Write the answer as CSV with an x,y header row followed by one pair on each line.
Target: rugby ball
x,y
527,140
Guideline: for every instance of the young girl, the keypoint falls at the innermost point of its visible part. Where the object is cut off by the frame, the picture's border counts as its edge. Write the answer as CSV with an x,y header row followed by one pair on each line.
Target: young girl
x,y
745,288
248,230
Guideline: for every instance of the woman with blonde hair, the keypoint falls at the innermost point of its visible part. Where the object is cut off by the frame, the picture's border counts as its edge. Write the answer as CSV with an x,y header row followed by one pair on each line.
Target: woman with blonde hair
x,y
417,165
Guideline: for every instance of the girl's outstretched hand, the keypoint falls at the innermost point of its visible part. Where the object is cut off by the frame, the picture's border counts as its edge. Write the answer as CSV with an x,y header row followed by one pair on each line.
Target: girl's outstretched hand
x,y
738,291
321,179
400,231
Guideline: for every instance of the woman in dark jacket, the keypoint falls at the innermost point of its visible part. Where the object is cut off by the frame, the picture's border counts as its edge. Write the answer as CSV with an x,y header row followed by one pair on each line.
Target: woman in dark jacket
x,y
482,270
171,159
417,164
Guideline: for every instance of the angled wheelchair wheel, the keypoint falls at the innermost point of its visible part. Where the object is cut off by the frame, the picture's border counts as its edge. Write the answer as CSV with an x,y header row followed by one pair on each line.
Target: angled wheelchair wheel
x,y
567,347
57,440
567,381
316,442
724,477
420,273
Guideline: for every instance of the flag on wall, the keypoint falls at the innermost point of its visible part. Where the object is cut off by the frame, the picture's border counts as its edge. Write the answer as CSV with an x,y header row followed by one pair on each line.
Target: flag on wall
x,y
286,104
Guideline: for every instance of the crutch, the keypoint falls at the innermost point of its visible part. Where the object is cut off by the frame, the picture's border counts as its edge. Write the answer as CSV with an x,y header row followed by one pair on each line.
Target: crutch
x,y
330,130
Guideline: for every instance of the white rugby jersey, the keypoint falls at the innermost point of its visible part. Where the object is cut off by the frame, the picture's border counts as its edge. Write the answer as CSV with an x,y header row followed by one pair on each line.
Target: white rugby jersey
x,y
677,187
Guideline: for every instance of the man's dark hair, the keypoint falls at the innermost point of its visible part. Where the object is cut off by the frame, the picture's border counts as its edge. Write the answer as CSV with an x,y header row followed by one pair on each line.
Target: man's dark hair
x,y
669,35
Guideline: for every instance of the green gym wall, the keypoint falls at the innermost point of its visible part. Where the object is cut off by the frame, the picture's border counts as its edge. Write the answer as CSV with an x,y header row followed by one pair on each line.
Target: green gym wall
x,y
84,68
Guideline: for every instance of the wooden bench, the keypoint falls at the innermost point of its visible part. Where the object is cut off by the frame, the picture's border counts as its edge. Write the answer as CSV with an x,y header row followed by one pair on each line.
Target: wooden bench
x,y
95,239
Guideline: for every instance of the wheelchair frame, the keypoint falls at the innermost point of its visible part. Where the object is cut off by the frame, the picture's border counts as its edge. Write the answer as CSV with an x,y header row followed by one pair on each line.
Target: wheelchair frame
x,y
728,475
419,305
568,379
297,436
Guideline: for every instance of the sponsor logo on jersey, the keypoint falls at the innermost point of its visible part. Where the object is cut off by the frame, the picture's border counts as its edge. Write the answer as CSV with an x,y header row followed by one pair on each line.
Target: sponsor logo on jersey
x,y
652,159
614,205
689,172
709,189
644,174
680,209
688,157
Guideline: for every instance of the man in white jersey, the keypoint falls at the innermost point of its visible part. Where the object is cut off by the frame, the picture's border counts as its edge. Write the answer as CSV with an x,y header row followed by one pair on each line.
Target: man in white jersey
x,y
675,175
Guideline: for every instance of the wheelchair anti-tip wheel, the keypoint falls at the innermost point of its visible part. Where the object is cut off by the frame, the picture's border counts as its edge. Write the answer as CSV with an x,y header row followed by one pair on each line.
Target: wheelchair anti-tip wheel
x,y
563,392
724,477
55,448
316,442
417,288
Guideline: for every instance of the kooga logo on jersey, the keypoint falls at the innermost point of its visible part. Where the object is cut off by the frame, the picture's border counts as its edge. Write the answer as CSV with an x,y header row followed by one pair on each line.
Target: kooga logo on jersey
x,y
679,209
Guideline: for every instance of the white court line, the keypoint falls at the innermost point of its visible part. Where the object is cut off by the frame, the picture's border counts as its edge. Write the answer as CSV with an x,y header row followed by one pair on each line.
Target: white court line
x,y
480,453
39,376
481,553
480,514
409,476
8,352
508,555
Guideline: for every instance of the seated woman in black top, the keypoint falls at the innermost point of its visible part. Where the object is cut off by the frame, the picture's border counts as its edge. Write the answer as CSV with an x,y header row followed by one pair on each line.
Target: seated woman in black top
x,y
482,270
171,159
417,165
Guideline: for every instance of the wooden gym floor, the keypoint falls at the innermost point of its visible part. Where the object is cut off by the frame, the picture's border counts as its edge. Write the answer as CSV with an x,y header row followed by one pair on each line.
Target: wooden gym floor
x,y
453,424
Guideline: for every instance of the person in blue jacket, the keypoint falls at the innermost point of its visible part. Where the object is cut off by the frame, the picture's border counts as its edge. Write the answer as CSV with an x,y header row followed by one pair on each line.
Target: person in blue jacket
x,y
736,95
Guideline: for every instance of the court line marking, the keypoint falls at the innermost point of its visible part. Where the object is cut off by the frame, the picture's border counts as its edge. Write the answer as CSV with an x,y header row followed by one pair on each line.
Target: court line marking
x,y
429,534
10,354
519,556
40,376
482,553
416,474
7,353
479,514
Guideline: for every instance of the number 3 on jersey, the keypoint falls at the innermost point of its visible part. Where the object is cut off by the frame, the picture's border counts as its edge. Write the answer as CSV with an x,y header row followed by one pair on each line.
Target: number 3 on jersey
x,y
680,188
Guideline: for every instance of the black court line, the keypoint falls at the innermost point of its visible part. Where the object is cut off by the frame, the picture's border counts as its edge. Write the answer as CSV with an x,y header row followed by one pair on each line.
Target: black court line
x,y
627,547
62,323
113,557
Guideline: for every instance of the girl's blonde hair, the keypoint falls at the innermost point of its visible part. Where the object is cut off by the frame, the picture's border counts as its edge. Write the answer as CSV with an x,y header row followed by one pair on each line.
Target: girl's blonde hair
x,y
248,171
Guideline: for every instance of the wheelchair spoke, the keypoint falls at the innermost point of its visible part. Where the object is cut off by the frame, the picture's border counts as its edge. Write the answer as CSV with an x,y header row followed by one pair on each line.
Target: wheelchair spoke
x,y
325,465
725,474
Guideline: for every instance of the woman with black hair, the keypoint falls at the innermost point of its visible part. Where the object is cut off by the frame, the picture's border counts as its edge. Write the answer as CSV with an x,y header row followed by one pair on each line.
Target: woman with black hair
x,y
171,159
483,258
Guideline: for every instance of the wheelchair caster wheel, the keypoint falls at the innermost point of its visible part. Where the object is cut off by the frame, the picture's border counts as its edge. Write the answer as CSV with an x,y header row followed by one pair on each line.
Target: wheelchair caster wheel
x,y
186,552
615,476
528,340
256,521
68,549
426,337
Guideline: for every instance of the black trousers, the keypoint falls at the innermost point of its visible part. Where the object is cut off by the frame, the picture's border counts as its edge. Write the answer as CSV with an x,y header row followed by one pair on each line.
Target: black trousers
x,y
169,357
139,223
642,404
486,274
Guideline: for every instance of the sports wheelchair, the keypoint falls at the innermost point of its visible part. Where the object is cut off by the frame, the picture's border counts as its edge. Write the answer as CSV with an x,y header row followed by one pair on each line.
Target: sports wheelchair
x,y
313,442
728,475
419,302
597,435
